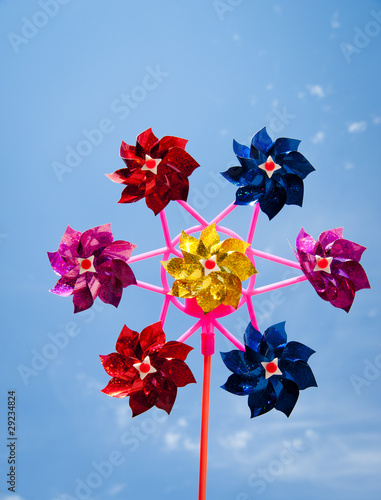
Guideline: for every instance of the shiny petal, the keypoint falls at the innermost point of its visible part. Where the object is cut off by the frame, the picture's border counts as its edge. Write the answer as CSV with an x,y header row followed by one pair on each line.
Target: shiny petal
x,y
287,397
158,195
299,372
263,399
305,242
64,287
118,366
188,243
118,250
167,396
174,349
354,272
239,264
347,250
241,385
69,243
127,151
284,145
209,236
233,245
273,200
237,362
179,269
145,141
240,149
58,264
295,162
119,388
237,175
233,290
276,335
152,337
261,140
346,294
294,188
177,371
140,402
248,194
82,299
254,339
327,238
120,176
181,161
133,192
165,143
297,351
182,289
95,238
179,185
211,297
127,342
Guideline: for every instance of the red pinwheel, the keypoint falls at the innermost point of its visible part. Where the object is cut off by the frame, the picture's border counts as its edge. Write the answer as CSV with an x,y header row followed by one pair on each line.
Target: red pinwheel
x,y
147,369
331,265
156,169
92,265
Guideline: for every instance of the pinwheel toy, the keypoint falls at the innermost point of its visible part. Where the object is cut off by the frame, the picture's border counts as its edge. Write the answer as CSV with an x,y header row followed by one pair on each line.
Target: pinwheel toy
x,y
214,274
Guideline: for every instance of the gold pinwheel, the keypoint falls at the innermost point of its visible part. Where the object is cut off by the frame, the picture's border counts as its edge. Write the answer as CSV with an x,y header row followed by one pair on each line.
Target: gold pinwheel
x,y
211,271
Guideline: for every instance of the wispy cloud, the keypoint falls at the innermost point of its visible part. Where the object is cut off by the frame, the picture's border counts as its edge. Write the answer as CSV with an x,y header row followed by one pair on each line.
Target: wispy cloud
x,y
356,127
316,90
335,20
318,137
236,441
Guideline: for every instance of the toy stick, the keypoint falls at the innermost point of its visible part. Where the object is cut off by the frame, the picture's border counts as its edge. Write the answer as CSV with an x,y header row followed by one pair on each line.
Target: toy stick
x,y
280,284
193,212
274,258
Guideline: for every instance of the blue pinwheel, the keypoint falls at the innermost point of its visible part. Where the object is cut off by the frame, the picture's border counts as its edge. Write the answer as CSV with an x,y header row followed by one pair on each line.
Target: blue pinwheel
x,y
271,173
271,371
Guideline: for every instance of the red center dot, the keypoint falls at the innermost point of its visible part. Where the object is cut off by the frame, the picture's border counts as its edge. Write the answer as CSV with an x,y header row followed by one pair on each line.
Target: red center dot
x,y
323,263
150,163
86,264
145,367
210,264
269,165
271,367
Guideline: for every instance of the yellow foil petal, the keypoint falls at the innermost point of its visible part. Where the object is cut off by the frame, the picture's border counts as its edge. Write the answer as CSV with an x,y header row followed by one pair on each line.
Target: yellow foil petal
x,y
188,243
209,236
233,290
233,245
238,264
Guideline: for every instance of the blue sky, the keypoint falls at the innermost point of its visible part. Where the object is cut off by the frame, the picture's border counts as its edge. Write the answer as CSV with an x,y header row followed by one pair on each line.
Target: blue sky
x,y
218,71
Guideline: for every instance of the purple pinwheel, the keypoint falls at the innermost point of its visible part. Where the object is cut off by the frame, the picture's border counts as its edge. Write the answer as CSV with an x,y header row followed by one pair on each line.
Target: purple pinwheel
x,y
92,265
331,265
271,173
271,371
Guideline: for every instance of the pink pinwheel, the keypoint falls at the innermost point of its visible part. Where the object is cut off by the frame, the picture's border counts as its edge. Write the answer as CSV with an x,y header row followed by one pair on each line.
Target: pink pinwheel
x,y
331,265
156,169
92,265
147,369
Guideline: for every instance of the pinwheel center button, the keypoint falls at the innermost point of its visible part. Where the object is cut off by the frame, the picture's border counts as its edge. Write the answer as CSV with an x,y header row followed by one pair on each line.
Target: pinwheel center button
x,y
86,264
271,367
145,367
269,165
210,264
151,163
322,263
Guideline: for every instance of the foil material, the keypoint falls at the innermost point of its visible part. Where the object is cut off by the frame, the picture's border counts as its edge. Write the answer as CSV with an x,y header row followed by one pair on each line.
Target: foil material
x,y
108,257
210,288
343,277
274,186
268,388
167,181
158,388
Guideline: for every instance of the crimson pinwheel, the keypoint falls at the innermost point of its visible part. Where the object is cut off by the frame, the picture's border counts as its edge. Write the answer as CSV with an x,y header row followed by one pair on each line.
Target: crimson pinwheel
x,y
156,170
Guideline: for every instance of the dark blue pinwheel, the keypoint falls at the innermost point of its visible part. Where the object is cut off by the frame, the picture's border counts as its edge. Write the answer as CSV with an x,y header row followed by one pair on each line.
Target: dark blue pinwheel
x,y
271,371
271,173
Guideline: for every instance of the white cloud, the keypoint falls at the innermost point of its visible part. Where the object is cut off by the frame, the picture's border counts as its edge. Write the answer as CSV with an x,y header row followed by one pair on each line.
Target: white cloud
x,y
191,445
377,120
335,20
172,440
355,127
236,441
316,90
115,489
182,422
269,86
318,137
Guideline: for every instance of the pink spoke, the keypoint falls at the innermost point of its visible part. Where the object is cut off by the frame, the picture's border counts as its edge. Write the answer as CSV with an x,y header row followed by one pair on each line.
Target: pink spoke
x,y
191,331
152,288
224,213
147,255
252,316
274,258
228,335
280,284
164,309
253,224
164,225
193,212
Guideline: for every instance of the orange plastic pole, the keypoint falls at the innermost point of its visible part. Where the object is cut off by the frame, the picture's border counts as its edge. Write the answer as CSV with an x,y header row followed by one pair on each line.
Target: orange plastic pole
x,y
204,427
